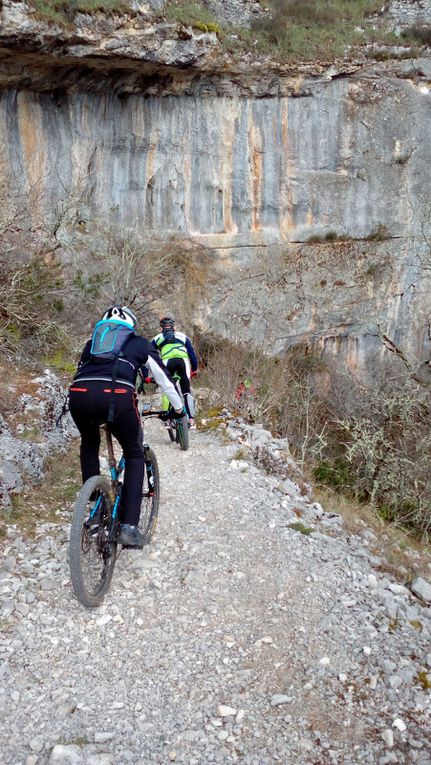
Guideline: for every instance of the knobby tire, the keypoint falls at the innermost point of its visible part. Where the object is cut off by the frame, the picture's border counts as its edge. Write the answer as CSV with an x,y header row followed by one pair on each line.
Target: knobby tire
x,y
182,426
92,554
150,501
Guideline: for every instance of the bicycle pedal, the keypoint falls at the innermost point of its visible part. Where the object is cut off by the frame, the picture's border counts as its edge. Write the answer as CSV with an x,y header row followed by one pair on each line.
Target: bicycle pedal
x,y
93,528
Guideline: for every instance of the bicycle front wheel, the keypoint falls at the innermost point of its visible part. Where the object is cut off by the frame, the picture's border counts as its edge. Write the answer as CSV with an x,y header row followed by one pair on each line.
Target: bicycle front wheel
x,y
150,497
170,429
168,424
182,427
93,545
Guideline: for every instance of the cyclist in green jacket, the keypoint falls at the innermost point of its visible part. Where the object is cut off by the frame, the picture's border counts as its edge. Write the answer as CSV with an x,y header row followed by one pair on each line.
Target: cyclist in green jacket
x,y
178,355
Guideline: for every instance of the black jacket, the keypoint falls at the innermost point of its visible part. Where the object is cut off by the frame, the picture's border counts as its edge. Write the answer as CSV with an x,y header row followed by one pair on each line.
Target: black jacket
x,y
136,353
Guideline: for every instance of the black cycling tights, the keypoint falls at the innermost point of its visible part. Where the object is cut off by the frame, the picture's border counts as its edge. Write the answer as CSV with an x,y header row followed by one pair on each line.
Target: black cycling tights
x,y
89,405
179,366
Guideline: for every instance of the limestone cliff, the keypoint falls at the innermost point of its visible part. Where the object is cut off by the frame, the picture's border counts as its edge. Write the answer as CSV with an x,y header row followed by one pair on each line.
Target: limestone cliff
x,y
310,184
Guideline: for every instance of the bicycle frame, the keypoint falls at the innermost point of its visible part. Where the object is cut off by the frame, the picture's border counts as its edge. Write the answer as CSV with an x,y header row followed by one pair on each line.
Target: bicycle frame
x,y
115,474
165,401
115,471
187,398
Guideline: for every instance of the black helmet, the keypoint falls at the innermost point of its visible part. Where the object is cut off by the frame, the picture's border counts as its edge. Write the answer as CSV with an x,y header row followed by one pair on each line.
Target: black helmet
x,y
121,313
167,322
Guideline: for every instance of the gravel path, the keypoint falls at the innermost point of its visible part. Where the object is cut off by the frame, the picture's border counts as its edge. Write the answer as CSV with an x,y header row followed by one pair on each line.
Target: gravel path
x,y
232,638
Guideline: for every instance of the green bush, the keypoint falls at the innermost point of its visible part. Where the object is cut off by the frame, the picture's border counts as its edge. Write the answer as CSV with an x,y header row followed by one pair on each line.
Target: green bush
x,y
336,473
60,361
298,526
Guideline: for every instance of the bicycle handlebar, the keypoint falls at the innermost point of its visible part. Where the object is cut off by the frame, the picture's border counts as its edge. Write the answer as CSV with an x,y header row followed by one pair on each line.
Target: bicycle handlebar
x,y
153,413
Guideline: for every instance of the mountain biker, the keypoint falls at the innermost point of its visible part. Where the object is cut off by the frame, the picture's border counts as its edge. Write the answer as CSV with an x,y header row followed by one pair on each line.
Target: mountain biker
x,y
178,354
103,390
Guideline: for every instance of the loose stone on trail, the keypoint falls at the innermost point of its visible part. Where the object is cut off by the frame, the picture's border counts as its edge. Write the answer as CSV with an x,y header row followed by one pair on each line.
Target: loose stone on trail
x,y
225,711
222,641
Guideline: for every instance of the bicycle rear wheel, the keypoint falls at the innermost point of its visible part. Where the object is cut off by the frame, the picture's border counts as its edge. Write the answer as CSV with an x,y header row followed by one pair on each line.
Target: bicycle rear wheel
x,y
150,497
182,427
93,545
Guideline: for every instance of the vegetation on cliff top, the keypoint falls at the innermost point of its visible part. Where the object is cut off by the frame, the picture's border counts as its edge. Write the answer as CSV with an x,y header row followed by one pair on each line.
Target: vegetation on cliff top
x,y
313,29
60,10
285,30
194,14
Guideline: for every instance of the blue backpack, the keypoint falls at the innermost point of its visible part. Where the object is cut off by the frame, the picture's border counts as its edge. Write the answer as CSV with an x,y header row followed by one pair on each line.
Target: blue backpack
x,y
107,343
108,339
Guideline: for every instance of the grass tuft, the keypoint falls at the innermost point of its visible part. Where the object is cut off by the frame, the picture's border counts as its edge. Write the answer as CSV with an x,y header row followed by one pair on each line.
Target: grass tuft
x,y
304,30
379,234
424,680
298,526
193,14
61,11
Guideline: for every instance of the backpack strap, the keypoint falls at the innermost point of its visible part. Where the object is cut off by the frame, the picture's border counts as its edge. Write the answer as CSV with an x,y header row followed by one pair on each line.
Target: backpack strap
x,y
111,409
173,341
112,396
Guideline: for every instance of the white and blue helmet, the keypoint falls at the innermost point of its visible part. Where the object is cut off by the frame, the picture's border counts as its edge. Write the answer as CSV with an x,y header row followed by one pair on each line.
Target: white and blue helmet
x,y
121,313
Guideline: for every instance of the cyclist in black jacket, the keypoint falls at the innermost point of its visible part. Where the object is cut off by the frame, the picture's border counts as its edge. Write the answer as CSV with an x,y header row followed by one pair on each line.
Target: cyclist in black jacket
x,y
97,395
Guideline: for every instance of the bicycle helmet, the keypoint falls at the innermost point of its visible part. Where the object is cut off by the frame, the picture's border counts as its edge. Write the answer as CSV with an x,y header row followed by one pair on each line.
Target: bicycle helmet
x,y
167,322
121,313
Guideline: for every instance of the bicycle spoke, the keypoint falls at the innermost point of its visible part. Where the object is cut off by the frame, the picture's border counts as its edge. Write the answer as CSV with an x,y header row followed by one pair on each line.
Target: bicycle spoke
x,y
93,544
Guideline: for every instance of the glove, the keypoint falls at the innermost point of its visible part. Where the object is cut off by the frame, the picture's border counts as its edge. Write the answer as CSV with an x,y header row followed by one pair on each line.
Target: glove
x,y
178,415
171,414
193,374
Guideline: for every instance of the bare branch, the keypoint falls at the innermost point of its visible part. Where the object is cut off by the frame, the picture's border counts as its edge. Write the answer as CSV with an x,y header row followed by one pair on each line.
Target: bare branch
x,y
419,371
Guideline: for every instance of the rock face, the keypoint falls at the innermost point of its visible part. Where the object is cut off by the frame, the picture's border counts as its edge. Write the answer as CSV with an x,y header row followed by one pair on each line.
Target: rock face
x,y
31,436
155,127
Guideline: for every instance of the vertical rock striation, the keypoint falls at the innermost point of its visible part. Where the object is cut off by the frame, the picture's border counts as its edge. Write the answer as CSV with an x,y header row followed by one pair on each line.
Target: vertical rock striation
x,y
322,175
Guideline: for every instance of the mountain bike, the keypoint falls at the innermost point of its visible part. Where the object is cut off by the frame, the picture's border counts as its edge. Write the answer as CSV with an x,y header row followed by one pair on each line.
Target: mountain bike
x,y
93,546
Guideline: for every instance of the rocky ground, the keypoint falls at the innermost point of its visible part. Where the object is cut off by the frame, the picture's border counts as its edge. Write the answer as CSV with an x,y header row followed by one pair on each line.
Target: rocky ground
x,y
252,630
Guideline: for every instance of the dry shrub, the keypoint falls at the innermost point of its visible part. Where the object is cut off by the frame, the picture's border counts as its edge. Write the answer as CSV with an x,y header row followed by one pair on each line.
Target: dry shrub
x,y
31,300
153,276
128,270
383,430
276,391
370,441
418,33
50,296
